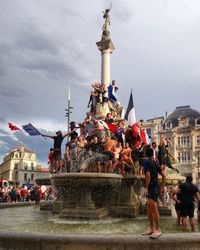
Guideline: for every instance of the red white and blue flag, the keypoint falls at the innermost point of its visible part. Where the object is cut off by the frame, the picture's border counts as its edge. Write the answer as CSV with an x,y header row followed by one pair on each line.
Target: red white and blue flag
x,y
130,112
31,130
130,116
145,137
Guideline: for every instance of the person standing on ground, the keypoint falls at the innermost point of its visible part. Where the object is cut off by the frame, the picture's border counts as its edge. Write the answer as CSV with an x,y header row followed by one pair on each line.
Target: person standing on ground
x,y
151,170
188,192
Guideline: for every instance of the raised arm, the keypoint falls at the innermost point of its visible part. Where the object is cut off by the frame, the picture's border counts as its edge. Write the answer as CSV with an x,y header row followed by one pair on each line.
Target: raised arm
x,y
49,136
68,133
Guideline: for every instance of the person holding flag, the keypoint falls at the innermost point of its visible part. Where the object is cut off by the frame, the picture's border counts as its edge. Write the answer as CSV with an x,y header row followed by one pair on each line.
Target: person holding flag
x,y
57,155
138,133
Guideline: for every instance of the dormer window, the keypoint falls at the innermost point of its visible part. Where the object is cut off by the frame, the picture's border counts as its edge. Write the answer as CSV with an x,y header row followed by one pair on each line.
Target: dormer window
x,y
183,121
197,121
168,125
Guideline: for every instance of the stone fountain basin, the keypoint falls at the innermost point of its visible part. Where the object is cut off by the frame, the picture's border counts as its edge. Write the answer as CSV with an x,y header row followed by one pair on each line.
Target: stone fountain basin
x,y
85,195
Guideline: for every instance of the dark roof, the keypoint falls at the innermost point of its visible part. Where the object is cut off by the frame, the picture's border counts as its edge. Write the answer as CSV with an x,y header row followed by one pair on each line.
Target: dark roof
x,y
185,111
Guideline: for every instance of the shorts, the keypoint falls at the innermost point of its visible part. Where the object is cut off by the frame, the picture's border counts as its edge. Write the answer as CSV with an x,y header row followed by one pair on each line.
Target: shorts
x,y
127,168
154,193
57,154
187,209
109,156
141,162
162,160
177,206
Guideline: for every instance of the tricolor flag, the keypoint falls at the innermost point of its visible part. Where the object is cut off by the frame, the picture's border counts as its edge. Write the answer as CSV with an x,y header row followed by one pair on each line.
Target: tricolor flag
x,y
130,116
13,127
31,130
130,112
144,136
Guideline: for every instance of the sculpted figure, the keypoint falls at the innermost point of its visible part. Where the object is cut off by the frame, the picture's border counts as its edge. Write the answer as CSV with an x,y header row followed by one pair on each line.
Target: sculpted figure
x,y
107,19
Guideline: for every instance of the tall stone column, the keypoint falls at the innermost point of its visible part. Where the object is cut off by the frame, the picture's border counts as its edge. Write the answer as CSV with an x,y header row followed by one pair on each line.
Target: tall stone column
x,y
106,47
105,67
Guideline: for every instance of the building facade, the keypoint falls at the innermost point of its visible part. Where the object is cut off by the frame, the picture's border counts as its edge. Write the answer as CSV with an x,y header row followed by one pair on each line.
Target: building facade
x,y
182,128
21,166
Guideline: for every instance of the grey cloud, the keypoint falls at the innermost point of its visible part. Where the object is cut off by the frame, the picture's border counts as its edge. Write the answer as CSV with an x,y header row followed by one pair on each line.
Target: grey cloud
x,y
8,91
123,11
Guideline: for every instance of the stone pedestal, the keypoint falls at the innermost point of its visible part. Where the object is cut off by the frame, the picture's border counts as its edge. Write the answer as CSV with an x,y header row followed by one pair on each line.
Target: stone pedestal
x,y
84,195
128,205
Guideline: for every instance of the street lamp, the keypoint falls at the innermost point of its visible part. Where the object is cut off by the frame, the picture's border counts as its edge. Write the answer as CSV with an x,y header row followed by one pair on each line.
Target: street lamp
x,y
68,110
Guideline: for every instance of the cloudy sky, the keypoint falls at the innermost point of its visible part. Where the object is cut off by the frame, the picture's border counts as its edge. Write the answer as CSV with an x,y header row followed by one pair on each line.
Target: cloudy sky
x,y
47,45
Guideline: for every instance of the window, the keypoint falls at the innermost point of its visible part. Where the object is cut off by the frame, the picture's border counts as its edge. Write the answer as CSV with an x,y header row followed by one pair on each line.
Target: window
x,y
198,140
32,166
197,121
25,176
16,175
184,141
184,157
198,157
168,125
16,155
179,157
16,166
32,177
25,166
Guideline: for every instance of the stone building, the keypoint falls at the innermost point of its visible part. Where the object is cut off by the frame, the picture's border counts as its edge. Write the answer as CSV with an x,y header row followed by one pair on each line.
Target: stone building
x,y
21,166
182,128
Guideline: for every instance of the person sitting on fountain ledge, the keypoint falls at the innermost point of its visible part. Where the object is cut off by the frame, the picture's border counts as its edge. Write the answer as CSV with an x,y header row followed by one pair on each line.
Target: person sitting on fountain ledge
x,y
109,146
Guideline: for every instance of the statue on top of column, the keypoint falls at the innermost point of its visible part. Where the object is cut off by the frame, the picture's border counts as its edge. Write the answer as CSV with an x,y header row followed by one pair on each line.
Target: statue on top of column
x,y
107,19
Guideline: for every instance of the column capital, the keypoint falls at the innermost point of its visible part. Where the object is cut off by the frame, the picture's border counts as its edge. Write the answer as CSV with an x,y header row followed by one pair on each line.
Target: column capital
x,y
105,45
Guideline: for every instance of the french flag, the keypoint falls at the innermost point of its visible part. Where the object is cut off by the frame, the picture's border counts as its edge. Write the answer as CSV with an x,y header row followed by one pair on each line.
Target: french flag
x,y
145,137
130,116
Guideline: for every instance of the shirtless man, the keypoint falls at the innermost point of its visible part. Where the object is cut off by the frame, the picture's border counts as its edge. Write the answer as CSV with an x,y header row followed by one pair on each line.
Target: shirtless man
x,y
126,157
108,151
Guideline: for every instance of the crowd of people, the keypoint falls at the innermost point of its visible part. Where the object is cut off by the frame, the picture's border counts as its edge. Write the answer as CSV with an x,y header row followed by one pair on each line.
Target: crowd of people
x,y
12,194
105,145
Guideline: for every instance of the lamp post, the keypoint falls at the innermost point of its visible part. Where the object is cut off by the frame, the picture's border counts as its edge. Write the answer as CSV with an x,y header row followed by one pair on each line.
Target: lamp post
x,y
68,111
